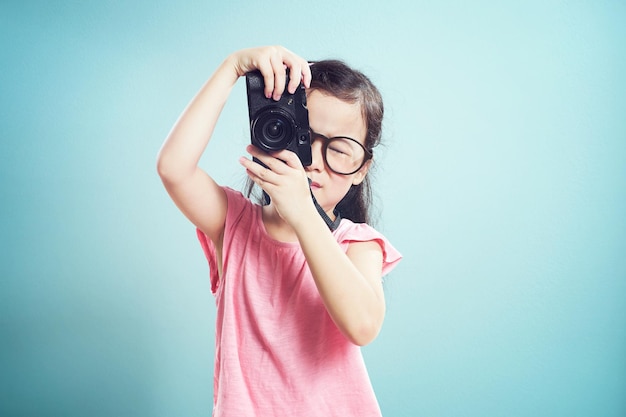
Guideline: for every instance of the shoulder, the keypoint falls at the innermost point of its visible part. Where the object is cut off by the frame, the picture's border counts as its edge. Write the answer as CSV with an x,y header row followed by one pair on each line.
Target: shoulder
x,y
236,198
238,204
356,232
352,234
241,214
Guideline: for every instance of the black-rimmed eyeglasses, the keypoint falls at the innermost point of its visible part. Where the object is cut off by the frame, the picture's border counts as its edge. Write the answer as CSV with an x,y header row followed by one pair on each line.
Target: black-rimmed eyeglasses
x,y
342,155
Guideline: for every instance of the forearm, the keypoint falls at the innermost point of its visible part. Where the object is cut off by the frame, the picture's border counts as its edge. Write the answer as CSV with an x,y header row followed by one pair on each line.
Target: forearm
x,y
352,297
181,151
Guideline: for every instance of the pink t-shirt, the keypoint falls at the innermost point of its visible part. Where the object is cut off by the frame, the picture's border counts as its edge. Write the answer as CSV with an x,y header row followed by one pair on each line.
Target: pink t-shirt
x,y
278,352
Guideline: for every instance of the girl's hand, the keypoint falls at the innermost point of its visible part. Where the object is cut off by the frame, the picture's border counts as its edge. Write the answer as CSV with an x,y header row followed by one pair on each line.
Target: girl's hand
x,y
285,181
273,61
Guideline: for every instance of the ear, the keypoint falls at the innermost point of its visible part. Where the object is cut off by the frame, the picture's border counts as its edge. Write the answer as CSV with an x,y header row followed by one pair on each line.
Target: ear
x,y
359,176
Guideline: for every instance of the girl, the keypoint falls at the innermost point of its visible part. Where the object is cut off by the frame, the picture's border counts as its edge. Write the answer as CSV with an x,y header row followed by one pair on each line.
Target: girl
x,y
295,298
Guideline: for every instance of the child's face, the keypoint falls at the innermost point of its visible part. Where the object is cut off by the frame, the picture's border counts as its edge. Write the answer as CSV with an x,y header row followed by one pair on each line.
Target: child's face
x,y
332,117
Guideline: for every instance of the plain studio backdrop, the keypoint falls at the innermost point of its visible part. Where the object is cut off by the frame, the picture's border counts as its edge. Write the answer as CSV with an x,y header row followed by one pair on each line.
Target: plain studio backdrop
x,y
502,181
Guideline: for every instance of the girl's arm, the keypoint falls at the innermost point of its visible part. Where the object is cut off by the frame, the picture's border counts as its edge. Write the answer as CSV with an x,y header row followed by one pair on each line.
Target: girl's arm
x,y
195,193
192,190
349,283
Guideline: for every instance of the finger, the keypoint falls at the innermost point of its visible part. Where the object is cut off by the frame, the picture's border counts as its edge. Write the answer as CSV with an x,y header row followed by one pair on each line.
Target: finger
x,y
257,180
267,71
298,70
294,79
258,153
306,75
257,171
280,75
295,75
274,161
288,158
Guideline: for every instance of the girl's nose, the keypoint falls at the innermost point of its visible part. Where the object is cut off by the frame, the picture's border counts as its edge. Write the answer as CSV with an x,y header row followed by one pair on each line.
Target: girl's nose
x,y
317,161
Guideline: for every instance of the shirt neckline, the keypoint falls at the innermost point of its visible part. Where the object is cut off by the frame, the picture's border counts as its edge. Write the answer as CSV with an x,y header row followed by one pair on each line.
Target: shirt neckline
x,y
266,236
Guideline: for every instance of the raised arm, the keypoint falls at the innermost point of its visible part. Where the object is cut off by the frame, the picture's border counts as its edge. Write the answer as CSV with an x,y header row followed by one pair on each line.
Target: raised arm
x,y
195,193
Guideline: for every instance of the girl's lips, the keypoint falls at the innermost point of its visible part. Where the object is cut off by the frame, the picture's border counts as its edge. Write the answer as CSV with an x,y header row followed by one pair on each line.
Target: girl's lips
x,y
315,185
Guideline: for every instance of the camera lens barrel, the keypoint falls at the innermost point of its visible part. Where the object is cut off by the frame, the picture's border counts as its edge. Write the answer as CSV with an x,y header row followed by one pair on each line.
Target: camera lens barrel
x,y
273,129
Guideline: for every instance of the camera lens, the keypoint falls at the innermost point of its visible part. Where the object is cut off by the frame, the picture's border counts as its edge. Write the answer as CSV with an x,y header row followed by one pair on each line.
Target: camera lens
x,y
273,130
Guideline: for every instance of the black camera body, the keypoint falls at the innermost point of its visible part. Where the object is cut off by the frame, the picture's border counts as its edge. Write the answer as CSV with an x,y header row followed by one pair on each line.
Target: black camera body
x,y
278,125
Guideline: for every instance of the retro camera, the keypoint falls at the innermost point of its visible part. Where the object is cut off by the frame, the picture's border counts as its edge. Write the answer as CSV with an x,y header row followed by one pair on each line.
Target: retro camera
x,y
278,125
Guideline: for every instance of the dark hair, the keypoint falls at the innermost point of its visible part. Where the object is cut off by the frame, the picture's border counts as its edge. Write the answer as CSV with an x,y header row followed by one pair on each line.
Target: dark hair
x,y
337,79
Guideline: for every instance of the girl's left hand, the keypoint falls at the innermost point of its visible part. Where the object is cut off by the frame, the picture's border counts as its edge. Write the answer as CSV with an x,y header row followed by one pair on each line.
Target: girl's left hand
x,y
285,181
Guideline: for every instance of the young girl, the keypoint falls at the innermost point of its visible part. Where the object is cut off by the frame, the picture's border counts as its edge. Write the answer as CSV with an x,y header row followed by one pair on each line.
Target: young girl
x,y
296,296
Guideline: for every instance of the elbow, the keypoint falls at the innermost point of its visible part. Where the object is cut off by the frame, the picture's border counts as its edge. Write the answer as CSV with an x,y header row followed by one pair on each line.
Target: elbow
x,y
365,333
363,338
167,169
162,166
362,326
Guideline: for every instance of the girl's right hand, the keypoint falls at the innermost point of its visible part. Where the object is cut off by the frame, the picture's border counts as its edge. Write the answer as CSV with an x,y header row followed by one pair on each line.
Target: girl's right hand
x,y
273,61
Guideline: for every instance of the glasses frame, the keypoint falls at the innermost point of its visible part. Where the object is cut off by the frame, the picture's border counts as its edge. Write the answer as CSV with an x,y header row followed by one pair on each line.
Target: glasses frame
x,y
367,154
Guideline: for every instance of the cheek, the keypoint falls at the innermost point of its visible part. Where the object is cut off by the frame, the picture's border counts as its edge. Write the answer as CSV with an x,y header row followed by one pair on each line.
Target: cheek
x,y
342,183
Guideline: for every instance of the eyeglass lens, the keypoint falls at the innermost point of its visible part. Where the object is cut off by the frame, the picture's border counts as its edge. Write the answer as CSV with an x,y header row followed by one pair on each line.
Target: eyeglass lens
x,y
342,155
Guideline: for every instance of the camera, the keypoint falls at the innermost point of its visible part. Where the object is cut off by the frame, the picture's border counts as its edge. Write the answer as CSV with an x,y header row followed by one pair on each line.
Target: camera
x,y
278,125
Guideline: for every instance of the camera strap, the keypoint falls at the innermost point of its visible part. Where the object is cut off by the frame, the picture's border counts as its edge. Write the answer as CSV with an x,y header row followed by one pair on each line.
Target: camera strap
x,y
332,225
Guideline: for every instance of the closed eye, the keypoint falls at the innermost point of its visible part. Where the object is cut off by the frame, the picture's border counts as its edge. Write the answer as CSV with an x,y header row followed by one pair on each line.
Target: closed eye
x,y
337,150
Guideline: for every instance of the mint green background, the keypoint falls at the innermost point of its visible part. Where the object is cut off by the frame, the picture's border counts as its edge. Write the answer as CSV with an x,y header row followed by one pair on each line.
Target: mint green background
x,y
503,183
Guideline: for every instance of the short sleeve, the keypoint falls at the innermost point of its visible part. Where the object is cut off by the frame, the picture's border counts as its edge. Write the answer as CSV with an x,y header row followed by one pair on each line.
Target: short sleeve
x,y
237,204
349,232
